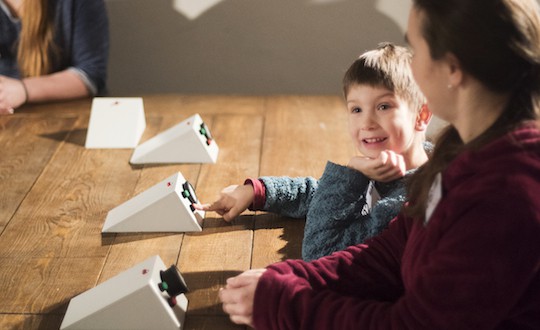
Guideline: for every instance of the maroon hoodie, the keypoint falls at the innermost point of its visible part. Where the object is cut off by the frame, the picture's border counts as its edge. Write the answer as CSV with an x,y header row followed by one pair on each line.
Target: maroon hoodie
x,y
474,265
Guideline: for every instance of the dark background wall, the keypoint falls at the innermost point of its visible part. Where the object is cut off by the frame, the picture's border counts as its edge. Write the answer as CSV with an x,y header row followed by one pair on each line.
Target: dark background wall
x,y
245,46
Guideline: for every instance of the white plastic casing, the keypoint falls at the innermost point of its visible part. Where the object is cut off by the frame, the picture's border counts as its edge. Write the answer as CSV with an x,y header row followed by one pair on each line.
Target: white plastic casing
x,y
182,143
161,208
115,122
129,300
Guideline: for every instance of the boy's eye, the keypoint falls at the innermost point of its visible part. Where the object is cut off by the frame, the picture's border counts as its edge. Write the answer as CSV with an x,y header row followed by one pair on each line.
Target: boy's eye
x,y
384,106
356,110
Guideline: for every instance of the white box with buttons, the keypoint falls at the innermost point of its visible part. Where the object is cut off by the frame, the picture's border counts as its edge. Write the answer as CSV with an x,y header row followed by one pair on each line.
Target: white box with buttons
x,y
165,207
189,141
115,122
146,296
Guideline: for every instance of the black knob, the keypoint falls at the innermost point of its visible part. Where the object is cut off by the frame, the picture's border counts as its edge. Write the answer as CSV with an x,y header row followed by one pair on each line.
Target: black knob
x,y
172,282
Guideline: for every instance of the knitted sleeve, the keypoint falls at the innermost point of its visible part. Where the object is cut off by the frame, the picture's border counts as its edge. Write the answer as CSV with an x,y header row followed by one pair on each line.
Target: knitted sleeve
x,y
287,196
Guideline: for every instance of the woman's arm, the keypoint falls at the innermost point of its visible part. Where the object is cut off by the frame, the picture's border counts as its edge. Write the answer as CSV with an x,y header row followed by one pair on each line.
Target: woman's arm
x,y
278,297
61,85
474,272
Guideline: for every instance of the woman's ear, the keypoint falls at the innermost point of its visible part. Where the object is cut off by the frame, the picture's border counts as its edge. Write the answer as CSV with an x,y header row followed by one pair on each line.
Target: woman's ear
x,y
423,118
455,73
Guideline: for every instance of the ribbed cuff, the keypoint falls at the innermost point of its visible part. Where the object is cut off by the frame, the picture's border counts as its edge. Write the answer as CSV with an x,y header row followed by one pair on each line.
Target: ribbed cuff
x,y
259,197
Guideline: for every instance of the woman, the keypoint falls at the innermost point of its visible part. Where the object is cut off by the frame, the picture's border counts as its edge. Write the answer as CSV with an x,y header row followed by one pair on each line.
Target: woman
x,y
51,50
464,253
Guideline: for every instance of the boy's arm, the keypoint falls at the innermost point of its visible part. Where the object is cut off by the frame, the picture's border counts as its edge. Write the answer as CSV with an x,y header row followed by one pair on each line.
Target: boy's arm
x,y
287,196
293,197
281,195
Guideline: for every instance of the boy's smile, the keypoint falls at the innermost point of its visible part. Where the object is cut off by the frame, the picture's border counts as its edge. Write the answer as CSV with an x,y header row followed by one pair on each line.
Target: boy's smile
x,y
374,140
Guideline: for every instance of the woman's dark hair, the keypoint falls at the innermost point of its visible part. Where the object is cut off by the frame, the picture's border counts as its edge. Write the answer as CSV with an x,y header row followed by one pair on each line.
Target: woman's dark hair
x,y
498,43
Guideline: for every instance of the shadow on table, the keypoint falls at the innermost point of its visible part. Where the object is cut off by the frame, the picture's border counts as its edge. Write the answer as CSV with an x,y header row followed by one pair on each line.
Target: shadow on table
x,y
292,231
210,226
76,136
203,297
52,318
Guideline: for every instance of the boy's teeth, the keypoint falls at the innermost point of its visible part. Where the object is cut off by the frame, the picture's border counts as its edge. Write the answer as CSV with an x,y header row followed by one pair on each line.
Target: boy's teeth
x,y
374,140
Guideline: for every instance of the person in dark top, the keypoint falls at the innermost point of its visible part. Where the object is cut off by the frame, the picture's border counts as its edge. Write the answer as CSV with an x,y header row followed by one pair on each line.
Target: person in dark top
x,y
52,50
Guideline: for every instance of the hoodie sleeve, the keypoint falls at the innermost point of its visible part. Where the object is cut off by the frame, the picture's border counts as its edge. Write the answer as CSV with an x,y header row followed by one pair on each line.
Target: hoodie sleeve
x,y
335,292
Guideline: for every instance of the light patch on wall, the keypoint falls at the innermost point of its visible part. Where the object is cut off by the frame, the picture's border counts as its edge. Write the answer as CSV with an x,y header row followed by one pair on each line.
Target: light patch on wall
x,y
391,9
324,2
192,9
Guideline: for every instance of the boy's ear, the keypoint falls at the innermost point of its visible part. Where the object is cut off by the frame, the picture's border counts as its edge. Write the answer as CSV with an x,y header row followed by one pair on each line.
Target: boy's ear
x,y
423,118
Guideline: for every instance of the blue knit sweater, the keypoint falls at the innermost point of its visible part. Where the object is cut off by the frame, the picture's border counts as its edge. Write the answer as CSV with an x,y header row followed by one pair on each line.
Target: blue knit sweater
x,y
335,207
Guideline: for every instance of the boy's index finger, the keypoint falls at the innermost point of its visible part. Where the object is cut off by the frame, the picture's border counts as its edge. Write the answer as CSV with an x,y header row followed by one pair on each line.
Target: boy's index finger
x,y
215,206
202,207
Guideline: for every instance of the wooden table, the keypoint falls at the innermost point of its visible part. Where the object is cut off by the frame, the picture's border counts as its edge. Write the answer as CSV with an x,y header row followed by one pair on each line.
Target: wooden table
x,y
55,194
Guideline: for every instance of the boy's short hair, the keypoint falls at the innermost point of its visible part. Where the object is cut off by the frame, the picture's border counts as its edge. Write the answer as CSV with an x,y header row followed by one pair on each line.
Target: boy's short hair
x,y
388,66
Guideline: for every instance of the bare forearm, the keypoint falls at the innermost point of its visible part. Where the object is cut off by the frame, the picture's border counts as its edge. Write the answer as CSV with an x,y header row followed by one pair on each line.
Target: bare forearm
x,y
61,85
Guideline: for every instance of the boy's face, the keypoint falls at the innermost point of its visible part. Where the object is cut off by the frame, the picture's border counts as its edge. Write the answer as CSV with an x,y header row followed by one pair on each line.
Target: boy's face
x,y
379,120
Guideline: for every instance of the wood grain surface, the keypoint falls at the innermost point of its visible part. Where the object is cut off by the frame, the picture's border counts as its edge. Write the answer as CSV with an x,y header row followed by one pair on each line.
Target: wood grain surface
x,y
55,195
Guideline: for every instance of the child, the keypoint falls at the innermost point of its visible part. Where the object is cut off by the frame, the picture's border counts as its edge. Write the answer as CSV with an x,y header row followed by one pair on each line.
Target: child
x,y
387,122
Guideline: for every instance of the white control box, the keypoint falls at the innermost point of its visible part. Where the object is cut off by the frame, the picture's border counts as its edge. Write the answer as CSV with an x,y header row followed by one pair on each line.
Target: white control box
x,y
134,299
189,141
115,122
165,207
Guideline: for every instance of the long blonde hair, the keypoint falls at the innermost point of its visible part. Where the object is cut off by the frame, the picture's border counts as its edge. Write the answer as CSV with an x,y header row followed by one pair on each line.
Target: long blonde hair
x,y
36,42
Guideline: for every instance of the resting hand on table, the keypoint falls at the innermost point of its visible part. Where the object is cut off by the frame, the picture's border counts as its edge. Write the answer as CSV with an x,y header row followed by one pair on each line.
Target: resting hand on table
x,y
12,94
238,295
233,201
388,166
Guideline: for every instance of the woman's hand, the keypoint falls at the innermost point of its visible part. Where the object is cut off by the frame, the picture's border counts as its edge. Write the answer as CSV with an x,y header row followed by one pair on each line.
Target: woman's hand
x,y
238,296
12,94
388,166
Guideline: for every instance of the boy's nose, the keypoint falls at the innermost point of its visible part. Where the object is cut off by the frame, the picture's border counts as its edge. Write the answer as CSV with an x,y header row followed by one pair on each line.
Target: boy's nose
x,y
368,123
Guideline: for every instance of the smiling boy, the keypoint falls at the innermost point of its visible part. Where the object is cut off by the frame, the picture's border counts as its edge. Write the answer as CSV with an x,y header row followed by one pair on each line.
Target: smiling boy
x,y
349,204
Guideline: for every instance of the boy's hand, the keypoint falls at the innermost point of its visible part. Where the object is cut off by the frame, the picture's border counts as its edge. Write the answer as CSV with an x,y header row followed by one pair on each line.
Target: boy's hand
x,y
233,201
387,167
